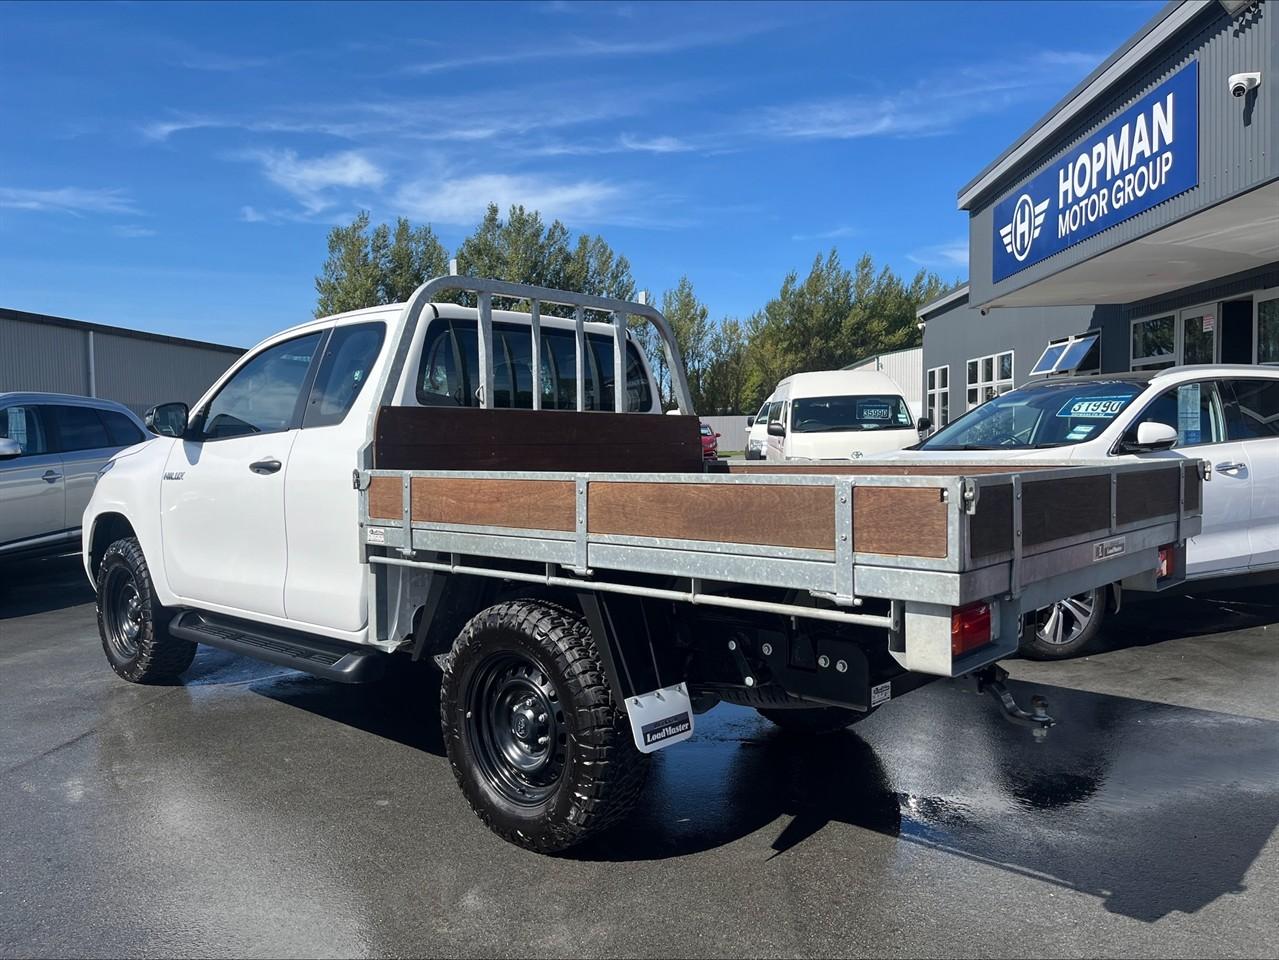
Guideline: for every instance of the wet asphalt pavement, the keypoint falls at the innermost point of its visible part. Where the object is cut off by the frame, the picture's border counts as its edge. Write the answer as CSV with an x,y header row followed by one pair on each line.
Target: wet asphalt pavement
x,y
255,811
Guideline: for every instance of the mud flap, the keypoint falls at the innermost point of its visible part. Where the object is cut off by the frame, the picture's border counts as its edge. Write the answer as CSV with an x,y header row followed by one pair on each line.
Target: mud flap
x,y
660,718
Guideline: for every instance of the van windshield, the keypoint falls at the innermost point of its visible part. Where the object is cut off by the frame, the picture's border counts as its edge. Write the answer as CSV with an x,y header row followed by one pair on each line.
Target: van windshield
x,y
828,414
1039,415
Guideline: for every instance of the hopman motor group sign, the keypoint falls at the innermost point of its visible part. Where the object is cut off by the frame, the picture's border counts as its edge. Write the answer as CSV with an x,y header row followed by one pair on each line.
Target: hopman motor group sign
x,y
1143,157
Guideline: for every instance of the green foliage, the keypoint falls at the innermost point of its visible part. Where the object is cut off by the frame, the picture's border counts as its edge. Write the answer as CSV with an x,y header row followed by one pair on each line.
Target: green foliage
x,y
366,268
827,320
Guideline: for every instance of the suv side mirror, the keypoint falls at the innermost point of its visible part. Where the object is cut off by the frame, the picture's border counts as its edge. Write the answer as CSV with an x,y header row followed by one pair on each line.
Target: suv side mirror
x,y
168,419
9,448
776,428
750,421
923,424
1152,435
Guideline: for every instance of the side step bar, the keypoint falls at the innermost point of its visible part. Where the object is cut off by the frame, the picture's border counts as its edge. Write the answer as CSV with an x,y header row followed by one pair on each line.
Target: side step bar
x,y
330,659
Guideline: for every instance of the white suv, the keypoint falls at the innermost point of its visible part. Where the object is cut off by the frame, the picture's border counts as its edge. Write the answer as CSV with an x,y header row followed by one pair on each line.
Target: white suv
x,y
1225,414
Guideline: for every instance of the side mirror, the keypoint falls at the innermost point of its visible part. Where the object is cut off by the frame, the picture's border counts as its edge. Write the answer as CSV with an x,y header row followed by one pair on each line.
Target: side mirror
x,y
718,435
776,428
168,419
9,448
1152,435
923,424
750,421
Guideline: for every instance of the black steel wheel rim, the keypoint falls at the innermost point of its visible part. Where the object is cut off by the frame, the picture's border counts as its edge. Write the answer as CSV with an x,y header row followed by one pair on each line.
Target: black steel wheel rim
x,y
122,612
515,725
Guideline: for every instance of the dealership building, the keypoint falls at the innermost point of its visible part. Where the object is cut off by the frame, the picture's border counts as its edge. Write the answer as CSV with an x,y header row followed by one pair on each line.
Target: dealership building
x,y
1135,226
49,354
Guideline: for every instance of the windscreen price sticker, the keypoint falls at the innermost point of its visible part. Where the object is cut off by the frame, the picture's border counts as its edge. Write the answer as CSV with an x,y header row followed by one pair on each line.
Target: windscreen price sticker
x,y
1097,408
874,411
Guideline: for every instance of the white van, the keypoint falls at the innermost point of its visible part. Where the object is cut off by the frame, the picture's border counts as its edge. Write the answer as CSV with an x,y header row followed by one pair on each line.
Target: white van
x,y
757,431
837,415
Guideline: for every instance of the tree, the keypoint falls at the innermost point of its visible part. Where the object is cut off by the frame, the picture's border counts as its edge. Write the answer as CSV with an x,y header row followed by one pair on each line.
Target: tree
x,y
366,268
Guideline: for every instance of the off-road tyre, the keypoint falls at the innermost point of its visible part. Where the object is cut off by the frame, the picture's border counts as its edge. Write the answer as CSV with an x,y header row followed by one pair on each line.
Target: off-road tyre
x,y
133,626
515,653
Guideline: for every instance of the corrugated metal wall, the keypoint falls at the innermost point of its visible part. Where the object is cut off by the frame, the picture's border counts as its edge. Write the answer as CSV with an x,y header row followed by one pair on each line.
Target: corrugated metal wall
x,y
1236,153
732,431
136,371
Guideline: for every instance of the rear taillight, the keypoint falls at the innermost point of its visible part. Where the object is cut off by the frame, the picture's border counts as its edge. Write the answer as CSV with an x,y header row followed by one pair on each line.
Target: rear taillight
x,y
1166,565
969,628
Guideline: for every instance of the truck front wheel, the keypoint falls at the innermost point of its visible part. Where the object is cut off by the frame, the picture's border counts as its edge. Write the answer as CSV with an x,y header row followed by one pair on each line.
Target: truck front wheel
x,y
540,749
131,622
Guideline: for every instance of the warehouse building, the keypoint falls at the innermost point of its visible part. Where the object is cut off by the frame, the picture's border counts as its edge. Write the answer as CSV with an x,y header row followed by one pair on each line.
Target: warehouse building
x,y
1135,226
139,370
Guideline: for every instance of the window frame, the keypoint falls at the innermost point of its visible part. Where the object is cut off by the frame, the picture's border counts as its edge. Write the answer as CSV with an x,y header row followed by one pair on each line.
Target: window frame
x,y
1268,295
1163,361
996,380
1066,343
196,428
932,394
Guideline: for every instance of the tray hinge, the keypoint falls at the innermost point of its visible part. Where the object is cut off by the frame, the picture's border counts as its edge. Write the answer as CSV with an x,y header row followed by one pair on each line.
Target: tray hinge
x,y
972,493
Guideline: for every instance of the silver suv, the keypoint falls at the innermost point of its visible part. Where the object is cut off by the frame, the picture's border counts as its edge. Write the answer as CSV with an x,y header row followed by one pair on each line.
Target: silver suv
x,y
51,448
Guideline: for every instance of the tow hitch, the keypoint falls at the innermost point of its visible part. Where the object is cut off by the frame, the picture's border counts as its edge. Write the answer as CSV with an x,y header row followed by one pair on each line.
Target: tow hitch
x,y
992,679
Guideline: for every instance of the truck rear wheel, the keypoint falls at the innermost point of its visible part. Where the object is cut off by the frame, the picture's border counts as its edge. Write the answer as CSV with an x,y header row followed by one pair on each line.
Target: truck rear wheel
x,y
540,749
132,624
812,721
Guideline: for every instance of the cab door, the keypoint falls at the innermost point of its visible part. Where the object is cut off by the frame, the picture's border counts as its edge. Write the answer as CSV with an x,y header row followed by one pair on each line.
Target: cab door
x,y
1252,421
1195,410
32,492
222,496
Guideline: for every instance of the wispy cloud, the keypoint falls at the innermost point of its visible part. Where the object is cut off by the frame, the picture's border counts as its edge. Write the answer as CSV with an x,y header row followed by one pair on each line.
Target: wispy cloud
x,y
942,256
252,215
578,47
835,233
934,105
72,200
131,232
624,143
309,180
463,200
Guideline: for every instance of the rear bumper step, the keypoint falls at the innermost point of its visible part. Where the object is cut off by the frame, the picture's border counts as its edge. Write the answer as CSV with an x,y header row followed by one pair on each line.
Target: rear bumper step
x,y
318,656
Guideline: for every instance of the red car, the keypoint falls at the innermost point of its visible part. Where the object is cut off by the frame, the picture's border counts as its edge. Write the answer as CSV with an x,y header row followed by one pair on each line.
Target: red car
x,y
710,443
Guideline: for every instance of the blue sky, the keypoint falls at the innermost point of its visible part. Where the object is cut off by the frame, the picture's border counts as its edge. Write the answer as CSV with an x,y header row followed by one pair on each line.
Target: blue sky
x,y
176,167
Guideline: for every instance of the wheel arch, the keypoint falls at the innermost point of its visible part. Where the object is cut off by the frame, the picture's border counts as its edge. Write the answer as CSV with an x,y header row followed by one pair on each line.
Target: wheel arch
x,y
107,529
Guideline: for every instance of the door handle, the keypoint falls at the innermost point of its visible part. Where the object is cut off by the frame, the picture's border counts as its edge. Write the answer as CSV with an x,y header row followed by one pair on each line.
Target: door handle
x,y
269,465
51,476
1229,466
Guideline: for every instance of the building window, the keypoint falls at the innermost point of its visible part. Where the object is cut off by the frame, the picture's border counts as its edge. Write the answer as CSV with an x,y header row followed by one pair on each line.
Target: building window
x,y
1268,331
937,396
1154,343
989,377
1077,354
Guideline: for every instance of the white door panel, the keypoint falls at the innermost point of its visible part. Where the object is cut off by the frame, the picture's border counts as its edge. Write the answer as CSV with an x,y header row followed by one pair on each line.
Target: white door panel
x,y
223,522
1263,462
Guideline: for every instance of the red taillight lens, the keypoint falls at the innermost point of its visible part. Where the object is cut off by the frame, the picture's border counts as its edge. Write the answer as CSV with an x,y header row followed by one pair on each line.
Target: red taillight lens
x,y
969,628
1166,565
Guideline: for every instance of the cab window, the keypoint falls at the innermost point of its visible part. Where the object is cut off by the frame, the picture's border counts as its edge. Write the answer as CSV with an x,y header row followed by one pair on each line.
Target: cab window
x,y
262,396
1192,409
22,424
344,369
1252,408
78,428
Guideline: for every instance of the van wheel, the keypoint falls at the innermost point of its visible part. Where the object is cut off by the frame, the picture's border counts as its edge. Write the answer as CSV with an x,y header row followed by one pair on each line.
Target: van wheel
x,y
1068,628
812,721
540,749
133,626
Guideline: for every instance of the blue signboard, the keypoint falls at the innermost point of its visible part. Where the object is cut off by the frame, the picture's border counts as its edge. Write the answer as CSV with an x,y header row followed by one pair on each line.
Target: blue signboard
x,y
1146,155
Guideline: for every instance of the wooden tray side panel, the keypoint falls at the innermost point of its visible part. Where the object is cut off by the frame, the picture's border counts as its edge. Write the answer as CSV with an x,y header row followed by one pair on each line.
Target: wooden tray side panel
x,y
463,438
1066,507
904,469
1143,494
521,504
990,529
386,498
899,521
765,514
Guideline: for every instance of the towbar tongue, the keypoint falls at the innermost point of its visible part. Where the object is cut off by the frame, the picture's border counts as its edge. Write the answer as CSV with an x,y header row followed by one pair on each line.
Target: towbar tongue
x,y
991,678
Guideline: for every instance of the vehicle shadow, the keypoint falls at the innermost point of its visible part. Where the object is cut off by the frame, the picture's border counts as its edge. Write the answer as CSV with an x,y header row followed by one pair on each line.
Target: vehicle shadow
x,y
1203,612
30,587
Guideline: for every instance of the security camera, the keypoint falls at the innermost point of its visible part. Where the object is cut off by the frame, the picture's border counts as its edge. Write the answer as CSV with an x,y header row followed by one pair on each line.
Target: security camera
x,y
1241,83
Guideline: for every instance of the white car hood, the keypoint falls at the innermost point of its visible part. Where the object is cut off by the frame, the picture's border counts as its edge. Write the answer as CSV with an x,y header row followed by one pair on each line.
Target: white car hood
x,y
1054,454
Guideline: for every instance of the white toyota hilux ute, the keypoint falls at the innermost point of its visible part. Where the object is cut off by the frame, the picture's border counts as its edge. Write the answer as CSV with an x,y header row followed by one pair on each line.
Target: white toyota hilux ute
x,y
483,488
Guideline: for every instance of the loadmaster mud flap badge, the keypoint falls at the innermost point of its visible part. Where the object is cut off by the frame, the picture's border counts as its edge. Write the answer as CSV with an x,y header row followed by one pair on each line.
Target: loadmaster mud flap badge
x,y
660,718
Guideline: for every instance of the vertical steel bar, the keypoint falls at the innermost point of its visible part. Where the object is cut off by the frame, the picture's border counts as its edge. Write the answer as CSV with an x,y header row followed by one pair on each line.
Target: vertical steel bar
x,y
619,362
485,341
535,323
579,349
